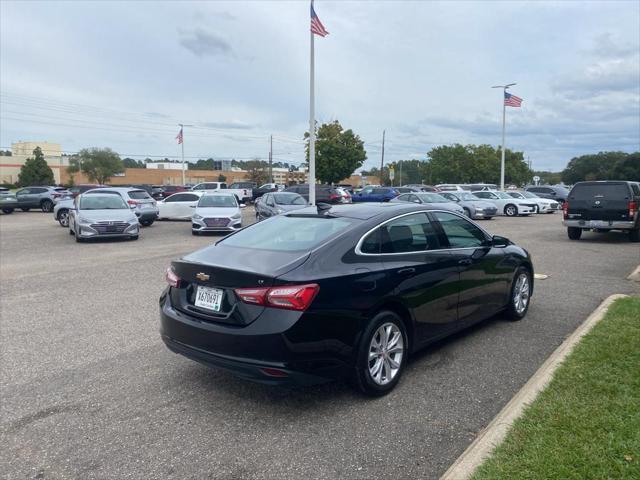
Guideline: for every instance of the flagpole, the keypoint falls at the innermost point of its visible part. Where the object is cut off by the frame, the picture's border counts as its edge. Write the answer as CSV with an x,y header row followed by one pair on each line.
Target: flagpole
x,y
312,130
504,114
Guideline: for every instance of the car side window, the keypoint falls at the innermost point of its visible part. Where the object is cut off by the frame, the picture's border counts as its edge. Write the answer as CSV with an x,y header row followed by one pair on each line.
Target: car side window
x,y
407,234
460,232
24,191
482,194
269,201
636,189
413,198
38,190
180,197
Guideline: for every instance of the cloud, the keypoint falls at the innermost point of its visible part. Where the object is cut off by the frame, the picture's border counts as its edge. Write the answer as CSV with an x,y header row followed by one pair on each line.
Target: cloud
x,y
203,43
235,124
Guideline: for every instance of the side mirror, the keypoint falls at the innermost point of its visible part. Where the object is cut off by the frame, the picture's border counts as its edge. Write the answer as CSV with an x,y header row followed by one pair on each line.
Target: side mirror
x,y
498,241
242,205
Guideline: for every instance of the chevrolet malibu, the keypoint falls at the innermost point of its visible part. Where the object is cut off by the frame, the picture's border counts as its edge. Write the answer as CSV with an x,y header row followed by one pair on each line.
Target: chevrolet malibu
x,y
350,291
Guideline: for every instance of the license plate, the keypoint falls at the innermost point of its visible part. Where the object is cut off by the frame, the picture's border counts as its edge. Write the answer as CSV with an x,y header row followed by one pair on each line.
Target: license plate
x,y
598,224
146,205
209,298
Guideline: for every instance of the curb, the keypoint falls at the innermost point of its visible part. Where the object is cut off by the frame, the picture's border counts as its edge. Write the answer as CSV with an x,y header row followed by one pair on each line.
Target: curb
x,y
481,448
635,275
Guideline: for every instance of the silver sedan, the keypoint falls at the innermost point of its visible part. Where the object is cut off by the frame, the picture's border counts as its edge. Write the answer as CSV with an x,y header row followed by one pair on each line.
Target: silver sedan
x,y
430,200
473,206
102,216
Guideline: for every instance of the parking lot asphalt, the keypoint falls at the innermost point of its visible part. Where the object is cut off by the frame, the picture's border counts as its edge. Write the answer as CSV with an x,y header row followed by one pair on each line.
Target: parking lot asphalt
x,y
88,390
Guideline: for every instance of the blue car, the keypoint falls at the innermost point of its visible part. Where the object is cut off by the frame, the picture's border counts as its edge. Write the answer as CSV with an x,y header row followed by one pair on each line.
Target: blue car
x,y
375,194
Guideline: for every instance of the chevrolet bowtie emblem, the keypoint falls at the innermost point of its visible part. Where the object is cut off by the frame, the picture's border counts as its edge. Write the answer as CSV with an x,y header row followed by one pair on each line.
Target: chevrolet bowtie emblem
x,y
202,276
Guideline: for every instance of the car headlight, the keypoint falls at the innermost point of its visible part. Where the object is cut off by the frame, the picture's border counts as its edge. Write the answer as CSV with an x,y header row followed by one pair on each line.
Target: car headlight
x,y
236,216
279,210
196,216
83,220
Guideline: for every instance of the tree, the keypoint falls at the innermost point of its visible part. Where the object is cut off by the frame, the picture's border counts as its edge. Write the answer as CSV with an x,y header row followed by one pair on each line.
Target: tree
x,y
98,164
131,163
338,152
257,171
603,166
474,164
35,171
222,178
548,178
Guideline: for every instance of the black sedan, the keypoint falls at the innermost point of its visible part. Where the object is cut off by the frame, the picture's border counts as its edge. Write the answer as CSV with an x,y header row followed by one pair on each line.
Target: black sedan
x,y
348,291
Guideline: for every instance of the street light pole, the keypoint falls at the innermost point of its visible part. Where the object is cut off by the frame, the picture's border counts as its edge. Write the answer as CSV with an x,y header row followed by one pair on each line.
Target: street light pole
x,y
504,114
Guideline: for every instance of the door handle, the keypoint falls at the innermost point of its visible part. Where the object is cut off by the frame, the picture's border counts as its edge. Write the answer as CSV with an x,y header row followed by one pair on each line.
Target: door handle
x,y
465,261
406,271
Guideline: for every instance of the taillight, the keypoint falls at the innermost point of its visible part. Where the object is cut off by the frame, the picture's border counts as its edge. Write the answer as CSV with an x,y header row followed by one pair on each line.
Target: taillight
x,y
255,296
172,279
565,209
288,297
334,196
132,202
633,209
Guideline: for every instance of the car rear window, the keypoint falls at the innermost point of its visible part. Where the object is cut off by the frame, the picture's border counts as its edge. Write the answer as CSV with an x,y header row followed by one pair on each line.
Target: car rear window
x,y
286,233
138,195
602,190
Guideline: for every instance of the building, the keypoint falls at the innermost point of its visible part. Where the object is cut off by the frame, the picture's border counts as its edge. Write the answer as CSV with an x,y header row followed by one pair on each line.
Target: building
x,y
10,165
168,165
284,177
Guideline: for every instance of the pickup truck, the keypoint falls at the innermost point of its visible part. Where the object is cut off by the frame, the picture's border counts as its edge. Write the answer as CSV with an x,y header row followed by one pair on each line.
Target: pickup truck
x,y
243,195
602,206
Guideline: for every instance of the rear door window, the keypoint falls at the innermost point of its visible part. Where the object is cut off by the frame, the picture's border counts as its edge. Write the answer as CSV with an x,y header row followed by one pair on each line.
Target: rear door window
x,y
610,191
636,189
408,234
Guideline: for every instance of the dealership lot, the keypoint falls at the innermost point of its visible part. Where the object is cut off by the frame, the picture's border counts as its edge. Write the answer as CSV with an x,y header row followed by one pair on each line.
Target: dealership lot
x,y
90,391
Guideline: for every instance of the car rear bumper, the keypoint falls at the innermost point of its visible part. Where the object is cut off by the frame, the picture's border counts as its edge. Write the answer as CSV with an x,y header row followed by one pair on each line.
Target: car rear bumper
x,y
267,350
144,215
600,224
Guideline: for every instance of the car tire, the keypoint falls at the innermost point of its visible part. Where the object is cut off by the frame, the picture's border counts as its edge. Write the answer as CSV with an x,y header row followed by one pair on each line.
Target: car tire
x,y
25,209
47,206
63,217
536,209
146,223
488,218
634,235
71,232
371,372
7,210
511,210
519,301
574,233
467,212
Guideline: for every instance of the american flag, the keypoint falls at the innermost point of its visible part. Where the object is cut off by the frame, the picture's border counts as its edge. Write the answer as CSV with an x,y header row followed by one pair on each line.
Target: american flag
x,y
179,137
512,100
316,24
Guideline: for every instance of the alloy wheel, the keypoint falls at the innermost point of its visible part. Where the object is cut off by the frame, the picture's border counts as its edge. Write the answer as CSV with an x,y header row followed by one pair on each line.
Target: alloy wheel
x,y
63,218
521,293
385,353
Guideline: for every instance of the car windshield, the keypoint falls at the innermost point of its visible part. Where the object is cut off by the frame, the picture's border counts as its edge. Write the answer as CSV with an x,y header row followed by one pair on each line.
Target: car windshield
x,y
466,196
102,202
138,195
432,198
529,195
289,199
503,195
218,201
286,233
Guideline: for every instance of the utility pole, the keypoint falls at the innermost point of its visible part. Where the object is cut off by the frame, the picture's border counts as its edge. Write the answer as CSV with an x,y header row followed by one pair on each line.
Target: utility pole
x,y
382,158
504,113
400,179
271,159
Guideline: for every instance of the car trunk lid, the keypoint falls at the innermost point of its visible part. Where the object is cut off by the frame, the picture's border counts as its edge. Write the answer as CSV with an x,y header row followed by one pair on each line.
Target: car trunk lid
x,y
219,270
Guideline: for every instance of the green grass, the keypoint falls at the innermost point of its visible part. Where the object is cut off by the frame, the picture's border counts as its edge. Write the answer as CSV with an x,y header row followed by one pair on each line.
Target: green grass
x,y
586,423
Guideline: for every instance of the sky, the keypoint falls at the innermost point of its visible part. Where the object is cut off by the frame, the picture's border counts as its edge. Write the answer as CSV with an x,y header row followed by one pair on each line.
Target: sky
x,y
124,74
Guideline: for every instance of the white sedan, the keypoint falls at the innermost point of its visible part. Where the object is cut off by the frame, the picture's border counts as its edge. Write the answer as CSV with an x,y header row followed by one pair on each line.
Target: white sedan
x,y
179,206
543,205
507,205
217,212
